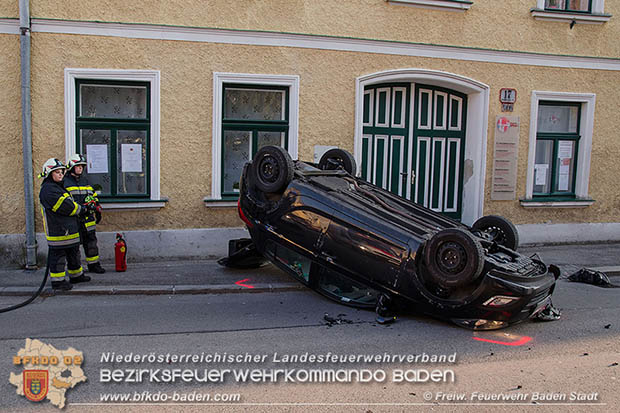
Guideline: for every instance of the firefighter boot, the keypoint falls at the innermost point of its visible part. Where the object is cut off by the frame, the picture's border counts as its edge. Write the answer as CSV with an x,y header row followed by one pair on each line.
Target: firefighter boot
x,y
63,285
81,279
96,268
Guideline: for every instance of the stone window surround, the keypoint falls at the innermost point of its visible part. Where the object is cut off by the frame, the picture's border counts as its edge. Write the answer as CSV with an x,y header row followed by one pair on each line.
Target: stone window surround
x,y
150,76
587,101
219,79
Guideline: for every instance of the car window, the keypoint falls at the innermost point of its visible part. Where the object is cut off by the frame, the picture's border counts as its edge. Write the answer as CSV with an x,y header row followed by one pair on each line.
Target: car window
x,y
297,264
345,289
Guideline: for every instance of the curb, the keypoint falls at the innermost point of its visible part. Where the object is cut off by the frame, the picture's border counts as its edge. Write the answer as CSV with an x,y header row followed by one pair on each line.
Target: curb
x,y
155,289
612,271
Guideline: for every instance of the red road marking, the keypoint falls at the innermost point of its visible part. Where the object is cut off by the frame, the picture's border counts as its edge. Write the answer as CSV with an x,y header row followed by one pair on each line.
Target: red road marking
x,y
522,341
240,283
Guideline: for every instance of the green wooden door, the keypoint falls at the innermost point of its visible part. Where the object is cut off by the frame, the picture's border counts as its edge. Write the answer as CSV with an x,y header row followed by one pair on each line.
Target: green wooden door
x,y
436,152
386,136
438,149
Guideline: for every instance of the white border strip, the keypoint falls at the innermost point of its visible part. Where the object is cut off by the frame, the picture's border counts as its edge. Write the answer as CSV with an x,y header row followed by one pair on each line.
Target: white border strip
x,y
248,37
9,26
568,233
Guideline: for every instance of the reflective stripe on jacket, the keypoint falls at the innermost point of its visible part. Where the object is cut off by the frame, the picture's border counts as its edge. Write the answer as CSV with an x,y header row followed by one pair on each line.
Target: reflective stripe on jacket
x,y
79,188
60,213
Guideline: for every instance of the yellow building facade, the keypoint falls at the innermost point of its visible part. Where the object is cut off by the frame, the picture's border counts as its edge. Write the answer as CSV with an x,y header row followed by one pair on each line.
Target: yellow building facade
x,y
167,99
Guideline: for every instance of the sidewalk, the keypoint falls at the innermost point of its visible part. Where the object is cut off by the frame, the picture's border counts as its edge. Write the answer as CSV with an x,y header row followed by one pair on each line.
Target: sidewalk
x,y
208,277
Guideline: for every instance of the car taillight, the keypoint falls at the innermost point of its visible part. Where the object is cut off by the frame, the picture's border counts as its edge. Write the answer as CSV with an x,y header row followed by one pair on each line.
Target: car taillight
x,y
242,215
499,301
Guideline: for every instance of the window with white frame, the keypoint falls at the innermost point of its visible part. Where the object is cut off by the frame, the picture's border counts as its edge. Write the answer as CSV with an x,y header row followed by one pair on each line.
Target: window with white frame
x,y
112,117
250,111
561,128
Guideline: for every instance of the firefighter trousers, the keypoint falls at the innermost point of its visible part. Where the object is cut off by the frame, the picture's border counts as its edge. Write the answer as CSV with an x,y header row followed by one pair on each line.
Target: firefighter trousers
x,y
57,258
88,239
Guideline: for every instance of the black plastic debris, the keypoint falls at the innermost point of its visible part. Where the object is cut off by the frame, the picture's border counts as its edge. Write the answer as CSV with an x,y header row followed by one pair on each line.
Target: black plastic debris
x,y
242,254
607,326
385,310
549,313
330,321
588,276
613,365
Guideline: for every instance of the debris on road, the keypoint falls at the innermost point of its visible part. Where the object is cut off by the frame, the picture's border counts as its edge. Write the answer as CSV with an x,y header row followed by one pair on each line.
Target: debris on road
x,y
338,320
588,276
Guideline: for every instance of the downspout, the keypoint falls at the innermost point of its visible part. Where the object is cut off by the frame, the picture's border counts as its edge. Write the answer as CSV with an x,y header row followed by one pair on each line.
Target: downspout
x,y
24,42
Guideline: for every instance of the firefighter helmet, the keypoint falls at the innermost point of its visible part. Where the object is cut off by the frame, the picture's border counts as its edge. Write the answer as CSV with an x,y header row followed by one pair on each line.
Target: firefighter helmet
x,y
51,165
75,159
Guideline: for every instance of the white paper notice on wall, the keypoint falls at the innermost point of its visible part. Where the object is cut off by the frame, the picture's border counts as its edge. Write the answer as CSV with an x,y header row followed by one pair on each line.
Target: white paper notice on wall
x,y
131,157
97,159
541,170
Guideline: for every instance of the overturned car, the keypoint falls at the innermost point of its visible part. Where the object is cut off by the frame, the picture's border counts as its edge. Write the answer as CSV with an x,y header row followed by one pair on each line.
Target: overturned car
x,y
366,247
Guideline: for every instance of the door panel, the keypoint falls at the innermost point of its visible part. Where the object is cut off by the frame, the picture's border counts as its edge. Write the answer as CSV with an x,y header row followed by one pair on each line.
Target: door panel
x,y
386,136
438,142
433,148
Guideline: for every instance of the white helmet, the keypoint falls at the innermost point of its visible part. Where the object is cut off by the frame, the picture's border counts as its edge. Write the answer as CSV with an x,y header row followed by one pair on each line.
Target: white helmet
x,y
51,165
75,159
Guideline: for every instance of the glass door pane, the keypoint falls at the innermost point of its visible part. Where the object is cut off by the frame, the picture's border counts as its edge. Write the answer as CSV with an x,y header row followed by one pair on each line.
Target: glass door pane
x,y
236,154
565,168
95,144
269,138
113,101
131,162
543,166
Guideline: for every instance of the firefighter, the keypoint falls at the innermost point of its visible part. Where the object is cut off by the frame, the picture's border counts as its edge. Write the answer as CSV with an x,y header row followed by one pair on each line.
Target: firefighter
x,y
60,214
77,185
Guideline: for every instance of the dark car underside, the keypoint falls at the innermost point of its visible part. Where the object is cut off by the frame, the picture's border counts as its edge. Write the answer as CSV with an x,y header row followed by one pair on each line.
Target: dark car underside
x,y
364,246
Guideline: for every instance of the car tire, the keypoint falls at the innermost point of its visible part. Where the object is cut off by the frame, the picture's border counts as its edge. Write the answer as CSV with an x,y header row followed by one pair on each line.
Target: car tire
x,y
335,158
499,229
272,169
454,258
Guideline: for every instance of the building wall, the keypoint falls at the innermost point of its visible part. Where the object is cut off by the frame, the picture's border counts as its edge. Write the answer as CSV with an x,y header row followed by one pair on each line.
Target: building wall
x,y
505,25
12,182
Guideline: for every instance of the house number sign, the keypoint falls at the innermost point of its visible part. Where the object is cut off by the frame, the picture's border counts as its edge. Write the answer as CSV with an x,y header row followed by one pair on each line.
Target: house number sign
x,y
507,97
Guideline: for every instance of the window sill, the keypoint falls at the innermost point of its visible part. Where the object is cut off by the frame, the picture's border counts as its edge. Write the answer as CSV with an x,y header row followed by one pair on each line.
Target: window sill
x,y
569,17
116,205
448,5
220,203
556,203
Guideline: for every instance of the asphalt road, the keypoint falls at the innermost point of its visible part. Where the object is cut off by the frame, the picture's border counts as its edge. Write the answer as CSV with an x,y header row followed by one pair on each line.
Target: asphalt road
x,y
576,356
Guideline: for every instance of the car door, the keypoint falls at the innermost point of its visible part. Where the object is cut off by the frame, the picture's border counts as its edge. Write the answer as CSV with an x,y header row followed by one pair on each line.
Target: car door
x,y
364,253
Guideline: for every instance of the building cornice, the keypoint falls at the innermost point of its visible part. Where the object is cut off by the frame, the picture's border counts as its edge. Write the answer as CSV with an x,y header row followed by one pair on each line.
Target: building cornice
x,y
310,41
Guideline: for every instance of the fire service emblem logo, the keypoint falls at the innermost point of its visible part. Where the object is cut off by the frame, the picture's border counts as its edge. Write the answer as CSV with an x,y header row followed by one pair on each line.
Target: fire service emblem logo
x,y
35,384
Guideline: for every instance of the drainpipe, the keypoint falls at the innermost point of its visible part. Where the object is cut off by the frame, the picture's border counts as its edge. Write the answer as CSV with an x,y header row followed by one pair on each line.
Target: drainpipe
x,y
24,42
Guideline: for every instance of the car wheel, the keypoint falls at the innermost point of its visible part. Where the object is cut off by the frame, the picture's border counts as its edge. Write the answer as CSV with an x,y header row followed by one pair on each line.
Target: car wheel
x,y
454,258
336,158
499,229
272,168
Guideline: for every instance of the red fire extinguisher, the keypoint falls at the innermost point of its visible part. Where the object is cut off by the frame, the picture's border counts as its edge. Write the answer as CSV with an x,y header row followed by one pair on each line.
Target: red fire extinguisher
x,y
120,253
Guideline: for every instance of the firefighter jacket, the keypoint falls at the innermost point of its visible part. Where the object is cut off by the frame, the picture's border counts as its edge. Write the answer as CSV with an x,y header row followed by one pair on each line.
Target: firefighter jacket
x,y
60,214
79,188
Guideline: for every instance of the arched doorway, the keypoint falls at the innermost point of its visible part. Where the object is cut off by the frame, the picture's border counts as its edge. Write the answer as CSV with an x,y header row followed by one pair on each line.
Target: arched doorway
x,y
422,135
